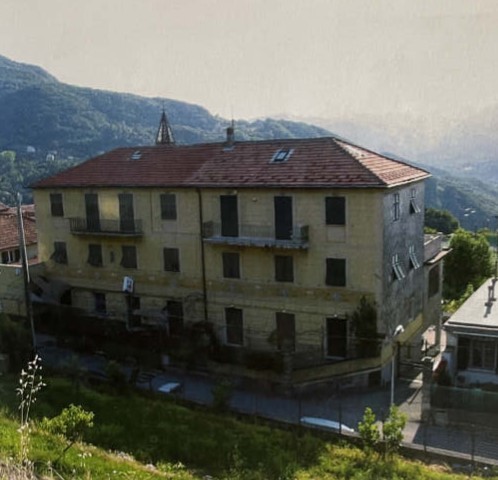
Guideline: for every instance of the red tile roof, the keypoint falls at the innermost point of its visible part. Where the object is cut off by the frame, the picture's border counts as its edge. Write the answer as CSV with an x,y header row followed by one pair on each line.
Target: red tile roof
x,y
318,162
9,233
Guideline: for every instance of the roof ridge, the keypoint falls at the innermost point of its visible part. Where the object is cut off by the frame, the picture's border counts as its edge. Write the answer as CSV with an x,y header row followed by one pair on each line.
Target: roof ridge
x,y
372,152
357,160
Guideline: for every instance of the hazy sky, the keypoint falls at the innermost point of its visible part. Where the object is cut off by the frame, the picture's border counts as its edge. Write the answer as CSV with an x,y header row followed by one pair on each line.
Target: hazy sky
x,y
255,58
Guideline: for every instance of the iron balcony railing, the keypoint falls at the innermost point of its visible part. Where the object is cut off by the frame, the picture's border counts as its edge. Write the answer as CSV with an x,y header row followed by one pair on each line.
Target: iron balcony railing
x,y
105,227
256,236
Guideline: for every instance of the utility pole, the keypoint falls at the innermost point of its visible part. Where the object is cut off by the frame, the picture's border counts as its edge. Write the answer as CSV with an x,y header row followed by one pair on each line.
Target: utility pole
x,y
25,271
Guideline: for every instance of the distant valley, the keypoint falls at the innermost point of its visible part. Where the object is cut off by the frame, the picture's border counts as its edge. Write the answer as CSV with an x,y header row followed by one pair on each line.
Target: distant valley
x,y
51,125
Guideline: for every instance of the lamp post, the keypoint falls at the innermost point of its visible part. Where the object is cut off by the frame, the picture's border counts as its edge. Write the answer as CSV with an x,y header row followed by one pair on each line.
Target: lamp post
x,y
397,331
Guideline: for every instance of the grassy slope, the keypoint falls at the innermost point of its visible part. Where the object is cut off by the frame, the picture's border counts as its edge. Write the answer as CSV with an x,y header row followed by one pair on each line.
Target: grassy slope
x,y
158,431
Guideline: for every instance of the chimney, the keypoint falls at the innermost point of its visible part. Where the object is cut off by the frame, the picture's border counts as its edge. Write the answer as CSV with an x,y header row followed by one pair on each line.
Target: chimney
x,y
491,293
230,135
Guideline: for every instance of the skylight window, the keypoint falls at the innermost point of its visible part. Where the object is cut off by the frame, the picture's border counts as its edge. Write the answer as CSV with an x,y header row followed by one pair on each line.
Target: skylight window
x,y
282,155
137,155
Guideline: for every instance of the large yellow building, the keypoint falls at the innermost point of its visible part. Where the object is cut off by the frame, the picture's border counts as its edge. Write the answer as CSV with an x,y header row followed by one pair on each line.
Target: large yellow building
x,y
273,244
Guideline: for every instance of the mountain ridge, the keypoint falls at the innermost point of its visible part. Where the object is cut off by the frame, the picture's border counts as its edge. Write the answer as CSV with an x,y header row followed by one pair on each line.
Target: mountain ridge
x,y
52,125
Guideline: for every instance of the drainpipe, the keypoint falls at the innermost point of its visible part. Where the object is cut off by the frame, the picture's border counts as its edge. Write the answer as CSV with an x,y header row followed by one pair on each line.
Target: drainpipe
x,y
203,257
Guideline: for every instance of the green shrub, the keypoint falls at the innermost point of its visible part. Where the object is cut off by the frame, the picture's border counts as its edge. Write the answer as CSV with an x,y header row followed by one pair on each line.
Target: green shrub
x,y
392,430
368,430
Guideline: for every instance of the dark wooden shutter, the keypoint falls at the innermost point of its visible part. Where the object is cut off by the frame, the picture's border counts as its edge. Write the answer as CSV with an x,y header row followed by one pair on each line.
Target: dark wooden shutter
x,y
286,331
126,215
337,337
92,212
229,216
283,218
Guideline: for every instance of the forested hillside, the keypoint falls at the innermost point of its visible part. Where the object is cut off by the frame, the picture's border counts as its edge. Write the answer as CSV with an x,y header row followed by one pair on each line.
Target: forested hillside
x,y
46,126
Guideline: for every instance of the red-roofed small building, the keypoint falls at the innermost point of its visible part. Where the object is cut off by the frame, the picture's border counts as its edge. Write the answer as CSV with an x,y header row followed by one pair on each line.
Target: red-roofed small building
x,y
268,247
11,280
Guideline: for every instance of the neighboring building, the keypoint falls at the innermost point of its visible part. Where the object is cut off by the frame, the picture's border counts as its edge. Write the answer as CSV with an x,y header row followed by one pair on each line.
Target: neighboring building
x,y
472,338
272,242
12,296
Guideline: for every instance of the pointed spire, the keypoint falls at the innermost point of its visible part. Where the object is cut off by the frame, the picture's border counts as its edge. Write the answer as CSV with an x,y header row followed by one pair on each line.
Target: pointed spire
x,y
164,133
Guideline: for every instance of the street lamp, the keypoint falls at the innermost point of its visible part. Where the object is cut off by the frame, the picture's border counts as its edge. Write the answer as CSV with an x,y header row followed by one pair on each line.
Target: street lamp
x,y
397,331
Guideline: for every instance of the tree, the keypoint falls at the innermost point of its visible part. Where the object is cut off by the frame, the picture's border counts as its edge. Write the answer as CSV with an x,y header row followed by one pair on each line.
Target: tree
x,y
72,423
392,430
440,221
364,327
368,430
468,263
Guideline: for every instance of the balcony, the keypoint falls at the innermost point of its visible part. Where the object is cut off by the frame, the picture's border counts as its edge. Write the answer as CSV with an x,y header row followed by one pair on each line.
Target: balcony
x,y
256,236
83,226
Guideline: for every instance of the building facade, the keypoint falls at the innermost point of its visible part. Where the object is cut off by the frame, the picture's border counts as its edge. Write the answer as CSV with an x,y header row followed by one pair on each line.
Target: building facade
x,y
274,244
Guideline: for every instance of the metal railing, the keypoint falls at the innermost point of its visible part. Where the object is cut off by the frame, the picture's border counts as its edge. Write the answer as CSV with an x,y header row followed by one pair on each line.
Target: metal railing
x,y
256,235
105,227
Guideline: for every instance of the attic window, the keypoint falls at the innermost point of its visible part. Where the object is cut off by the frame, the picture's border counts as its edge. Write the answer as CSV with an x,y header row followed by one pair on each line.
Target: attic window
x,y
282,155
137,155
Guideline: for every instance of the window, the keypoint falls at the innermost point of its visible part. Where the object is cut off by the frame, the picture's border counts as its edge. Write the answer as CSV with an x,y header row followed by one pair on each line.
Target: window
x,y
397,269
284,268
126,213
283,217
335,210
414,263
11,256
92,212
234,326
100,303
396,206
60,253
231,265
337,332
95,255
336,272
171,259
482,354
434,281
168,206
286,331
414,208
128,256
282,155
56,205
175,317
229,216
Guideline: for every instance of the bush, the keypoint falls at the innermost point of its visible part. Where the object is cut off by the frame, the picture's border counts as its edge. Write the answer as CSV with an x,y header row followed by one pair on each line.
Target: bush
x,y
368,430
222,393
392,430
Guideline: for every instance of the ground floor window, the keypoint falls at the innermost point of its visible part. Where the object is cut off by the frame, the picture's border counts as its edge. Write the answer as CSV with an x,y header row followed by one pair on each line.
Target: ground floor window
x,y
100,303
483,354
11,256
175,317
337,336
286,331
234,326
476,353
